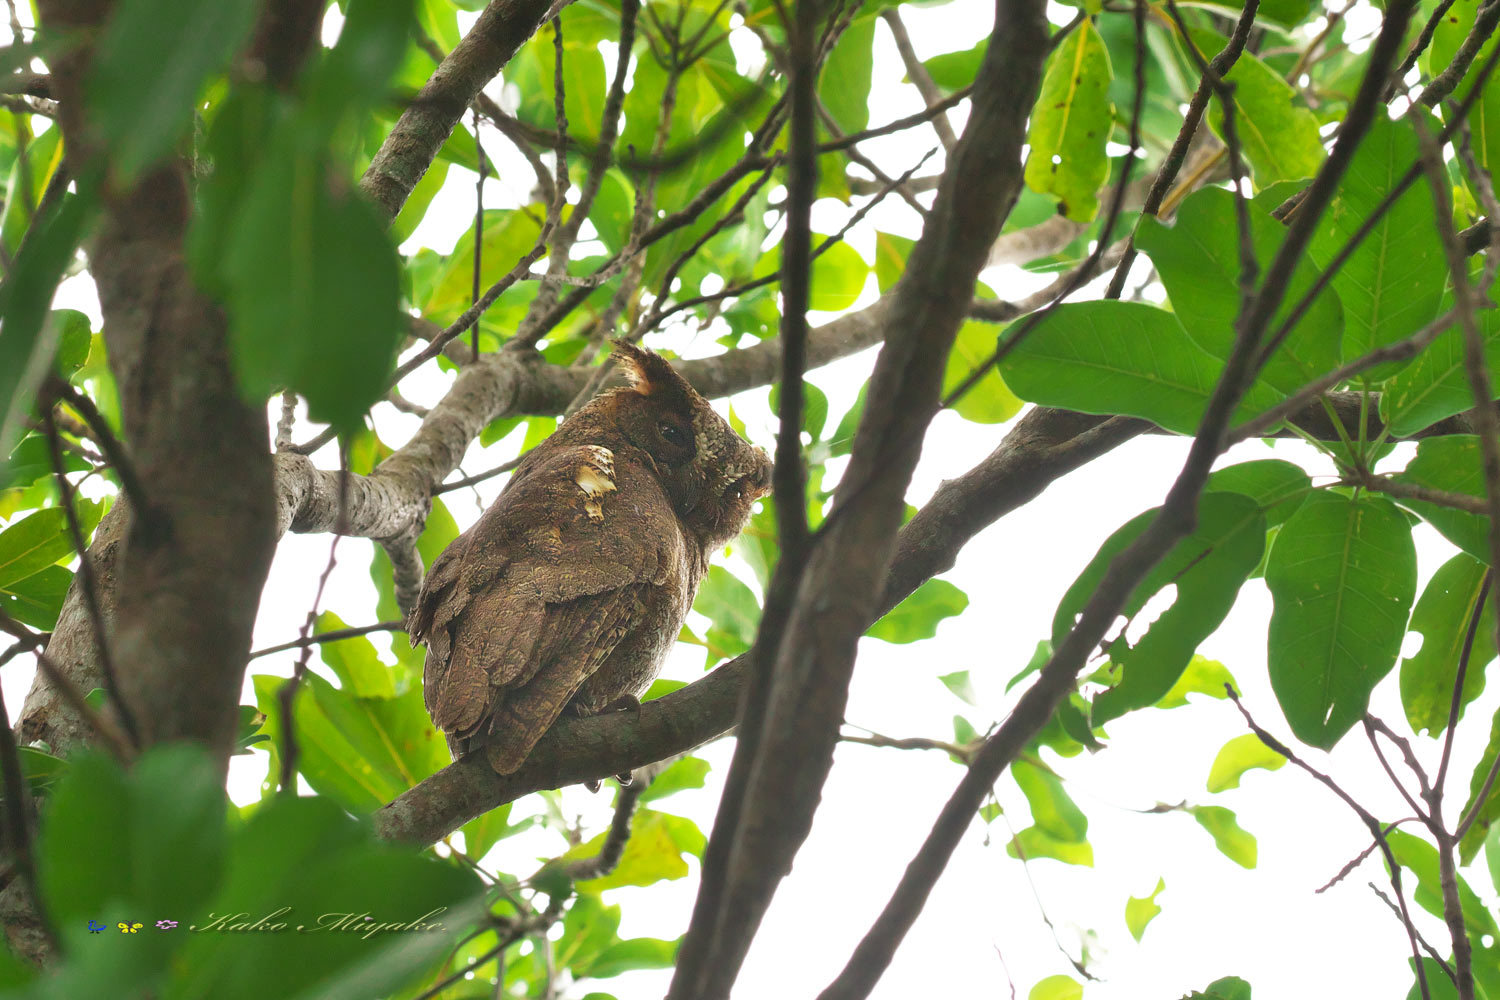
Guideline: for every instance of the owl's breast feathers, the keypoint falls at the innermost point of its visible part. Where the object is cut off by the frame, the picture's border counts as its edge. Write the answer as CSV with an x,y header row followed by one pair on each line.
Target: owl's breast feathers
x,y
578,577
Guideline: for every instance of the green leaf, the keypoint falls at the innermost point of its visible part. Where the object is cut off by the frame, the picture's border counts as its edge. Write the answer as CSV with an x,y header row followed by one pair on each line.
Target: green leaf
x,y
31,341
1052,809
303,863
960,685
1202,676
1342,576
1393,283
628,955
361,752
1241,754
990,401
37,600
153,838
352,76
732,608
354,661
1488,811
314,290
1421,859
1141,910
1117,357
956,70
655,851
1198,259
814,408
689,772
509,234
838,275
1033,843
1451,464
917,617
844,85
1279,138
1278,486
1484,116
44,155
150,67
1442,617
1228,988
1492,856
1206,569
32,544
584,84
1232,841
1436,384
1057,988
1071,125
31,460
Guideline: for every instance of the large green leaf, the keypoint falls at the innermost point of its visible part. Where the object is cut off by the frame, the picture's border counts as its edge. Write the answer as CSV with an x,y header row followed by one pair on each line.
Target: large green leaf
x,y
360,752
844,85
38,599
358,917
1393,283
1071,124
1342,576
1198,259
153,837
1278,486
314,290
1450,464
1442,617
1278,136
32,544
655,851
149,67
1206,569
1118,357
354,661
1436,384
918,616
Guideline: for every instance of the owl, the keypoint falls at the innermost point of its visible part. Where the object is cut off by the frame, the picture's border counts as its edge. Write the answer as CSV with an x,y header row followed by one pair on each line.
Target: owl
x,y
569,590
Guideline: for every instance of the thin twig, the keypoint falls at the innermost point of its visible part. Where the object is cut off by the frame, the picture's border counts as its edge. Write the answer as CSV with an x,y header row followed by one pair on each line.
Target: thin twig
x,y
90,584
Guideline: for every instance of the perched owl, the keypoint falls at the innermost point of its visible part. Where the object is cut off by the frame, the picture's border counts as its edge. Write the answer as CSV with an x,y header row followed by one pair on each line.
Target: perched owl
x,y
567,593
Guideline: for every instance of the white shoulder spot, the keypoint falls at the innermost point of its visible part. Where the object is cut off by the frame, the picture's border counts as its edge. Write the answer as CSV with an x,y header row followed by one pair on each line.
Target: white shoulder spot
x,y
596,477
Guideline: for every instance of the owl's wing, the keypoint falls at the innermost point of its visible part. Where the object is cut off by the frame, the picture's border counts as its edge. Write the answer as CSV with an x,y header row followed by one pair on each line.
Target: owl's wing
x,y
519,612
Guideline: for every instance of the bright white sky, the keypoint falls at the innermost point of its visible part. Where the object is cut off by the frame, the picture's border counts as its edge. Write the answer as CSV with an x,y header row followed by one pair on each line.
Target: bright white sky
x,y
983,930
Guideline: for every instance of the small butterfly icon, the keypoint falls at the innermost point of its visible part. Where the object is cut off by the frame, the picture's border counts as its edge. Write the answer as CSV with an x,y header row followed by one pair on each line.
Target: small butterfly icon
x,y
129,928
166,925
95,927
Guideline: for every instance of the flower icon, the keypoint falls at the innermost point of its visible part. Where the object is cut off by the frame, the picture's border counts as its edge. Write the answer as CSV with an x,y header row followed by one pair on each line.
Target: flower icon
x,y
166,925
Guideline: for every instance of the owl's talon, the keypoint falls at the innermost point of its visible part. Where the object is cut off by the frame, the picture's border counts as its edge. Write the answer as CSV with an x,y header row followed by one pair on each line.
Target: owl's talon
x,y
624,703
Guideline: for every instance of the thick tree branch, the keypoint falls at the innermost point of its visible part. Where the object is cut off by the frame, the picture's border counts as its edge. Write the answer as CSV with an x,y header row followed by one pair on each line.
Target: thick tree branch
x,y
424,126
782,766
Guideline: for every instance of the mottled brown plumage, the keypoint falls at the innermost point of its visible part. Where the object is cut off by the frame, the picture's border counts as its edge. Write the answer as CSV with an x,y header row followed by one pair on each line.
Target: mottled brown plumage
x,y
568,592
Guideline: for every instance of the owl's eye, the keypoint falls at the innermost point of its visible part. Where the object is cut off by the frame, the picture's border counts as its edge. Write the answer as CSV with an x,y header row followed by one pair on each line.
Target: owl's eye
x,y
672,434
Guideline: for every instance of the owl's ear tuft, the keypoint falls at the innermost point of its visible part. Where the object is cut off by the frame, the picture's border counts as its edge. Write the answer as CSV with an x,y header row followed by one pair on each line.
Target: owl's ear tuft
x,y
649,373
